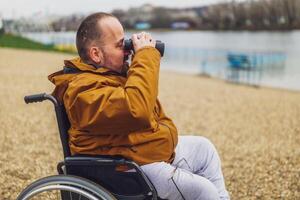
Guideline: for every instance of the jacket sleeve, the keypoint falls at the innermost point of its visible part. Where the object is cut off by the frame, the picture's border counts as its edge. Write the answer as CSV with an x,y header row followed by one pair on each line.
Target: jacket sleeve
x,y
119,110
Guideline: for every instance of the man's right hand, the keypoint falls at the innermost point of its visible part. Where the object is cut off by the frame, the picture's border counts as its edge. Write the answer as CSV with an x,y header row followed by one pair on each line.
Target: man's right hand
x,y
142,40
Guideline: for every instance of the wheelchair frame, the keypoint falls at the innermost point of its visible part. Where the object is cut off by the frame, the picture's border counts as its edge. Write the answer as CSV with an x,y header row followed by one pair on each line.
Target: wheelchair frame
x,y
75,165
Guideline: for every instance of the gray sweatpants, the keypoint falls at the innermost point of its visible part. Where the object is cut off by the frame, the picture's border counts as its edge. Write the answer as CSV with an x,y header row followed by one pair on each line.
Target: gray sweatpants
x,y
194,174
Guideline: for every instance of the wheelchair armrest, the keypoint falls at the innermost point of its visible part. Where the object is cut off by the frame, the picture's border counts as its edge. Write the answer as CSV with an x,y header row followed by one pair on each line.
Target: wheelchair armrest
x,y
102,160
96,160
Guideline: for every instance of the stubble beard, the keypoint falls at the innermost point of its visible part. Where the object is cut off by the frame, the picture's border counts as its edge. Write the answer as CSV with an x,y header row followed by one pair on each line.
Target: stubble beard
x,y
121,69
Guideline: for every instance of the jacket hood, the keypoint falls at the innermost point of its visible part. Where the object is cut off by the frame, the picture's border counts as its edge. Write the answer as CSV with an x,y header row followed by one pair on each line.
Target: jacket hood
x,y
71,68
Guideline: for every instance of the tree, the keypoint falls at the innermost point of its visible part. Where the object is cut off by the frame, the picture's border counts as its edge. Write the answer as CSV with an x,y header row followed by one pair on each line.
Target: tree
x,y
161,18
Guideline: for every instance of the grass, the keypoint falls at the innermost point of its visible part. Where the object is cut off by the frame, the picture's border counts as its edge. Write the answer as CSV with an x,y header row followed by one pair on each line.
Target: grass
x,y
13,41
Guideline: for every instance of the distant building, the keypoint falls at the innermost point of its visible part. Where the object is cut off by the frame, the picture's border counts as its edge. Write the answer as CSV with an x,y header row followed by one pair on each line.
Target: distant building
x,y
160,17
180,25
67,23
142,26
184,18
142,14
24,25
183,13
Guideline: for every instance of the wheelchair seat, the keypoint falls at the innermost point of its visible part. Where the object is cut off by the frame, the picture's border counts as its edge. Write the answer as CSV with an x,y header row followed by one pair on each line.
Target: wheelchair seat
x,y
104,171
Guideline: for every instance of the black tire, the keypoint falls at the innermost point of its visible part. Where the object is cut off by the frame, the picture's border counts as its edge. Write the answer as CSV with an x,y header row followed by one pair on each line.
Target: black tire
x,y
66,183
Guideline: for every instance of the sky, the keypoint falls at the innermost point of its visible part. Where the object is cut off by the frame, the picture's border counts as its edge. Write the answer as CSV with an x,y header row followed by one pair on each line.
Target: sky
x,y
12,9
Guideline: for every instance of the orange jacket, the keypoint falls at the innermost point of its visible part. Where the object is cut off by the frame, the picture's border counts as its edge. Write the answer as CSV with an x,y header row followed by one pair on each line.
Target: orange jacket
x,y
111,114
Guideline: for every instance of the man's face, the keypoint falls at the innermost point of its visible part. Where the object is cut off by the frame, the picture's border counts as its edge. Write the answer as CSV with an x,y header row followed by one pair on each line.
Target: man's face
x,y
112,40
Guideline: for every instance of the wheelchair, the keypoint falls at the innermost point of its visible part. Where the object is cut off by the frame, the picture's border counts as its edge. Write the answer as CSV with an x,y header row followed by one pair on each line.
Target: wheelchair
x,y
82,177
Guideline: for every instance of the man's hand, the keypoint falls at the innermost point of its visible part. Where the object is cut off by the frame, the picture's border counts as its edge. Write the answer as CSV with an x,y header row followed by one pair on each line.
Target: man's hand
x,y
141,40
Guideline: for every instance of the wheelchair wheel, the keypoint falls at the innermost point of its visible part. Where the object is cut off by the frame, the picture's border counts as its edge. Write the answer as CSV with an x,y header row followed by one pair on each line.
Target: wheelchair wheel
x,y
65,187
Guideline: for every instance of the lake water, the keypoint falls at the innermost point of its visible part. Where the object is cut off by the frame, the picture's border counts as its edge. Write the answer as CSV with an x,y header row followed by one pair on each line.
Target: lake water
x,y
256,58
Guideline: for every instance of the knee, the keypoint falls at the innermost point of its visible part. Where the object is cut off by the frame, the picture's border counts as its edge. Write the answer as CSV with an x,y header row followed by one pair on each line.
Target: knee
x,y
200,141
208,158
208,191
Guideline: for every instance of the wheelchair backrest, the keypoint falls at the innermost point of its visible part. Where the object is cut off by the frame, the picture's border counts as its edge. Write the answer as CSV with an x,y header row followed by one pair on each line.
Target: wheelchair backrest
x,y
61,117
63,126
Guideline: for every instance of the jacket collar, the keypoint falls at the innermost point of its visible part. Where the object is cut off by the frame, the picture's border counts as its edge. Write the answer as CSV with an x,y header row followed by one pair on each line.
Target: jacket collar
x,y
78,64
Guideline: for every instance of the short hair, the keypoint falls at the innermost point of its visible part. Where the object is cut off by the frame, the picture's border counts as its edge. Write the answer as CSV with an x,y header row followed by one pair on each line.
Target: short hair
x,y
89,32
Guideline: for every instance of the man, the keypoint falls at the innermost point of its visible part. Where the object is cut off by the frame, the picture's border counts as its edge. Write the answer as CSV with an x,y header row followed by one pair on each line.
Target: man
x,y
113,110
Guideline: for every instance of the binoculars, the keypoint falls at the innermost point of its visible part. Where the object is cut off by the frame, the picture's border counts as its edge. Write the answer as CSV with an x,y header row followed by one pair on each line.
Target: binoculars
x,y
160,46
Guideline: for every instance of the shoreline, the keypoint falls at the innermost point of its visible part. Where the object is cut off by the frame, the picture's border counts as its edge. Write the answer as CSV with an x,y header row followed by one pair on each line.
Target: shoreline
x,y
166,70
200,75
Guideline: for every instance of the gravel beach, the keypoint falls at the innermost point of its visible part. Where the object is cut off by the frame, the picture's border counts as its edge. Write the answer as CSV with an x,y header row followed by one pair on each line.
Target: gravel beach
x,y
256,130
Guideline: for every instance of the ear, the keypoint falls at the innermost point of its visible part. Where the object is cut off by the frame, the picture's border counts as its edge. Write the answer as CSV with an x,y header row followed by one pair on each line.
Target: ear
x,y
96,54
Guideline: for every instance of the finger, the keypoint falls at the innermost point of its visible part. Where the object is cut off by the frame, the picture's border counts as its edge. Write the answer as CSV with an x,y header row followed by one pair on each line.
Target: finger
x,y
134,38
138,35
153,42
148,37
142,35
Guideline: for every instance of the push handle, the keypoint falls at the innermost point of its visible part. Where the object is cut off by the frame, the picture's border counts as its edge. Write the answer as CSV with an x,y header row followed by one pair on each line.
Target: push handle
x,y
35,98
